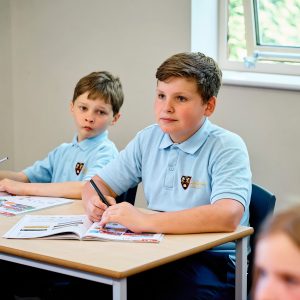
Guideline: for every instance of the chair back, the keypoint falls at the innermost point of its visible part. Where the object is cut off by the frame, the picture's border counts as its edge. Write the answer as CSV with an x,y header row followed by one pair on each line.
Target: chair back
x,y
128,196
262,204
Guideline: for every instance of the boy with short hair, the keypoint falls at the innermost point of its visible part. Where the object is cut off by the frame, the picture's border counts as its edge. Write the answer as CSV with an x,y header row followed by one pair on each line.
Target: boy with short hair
x,y
277,257
96,103
196,174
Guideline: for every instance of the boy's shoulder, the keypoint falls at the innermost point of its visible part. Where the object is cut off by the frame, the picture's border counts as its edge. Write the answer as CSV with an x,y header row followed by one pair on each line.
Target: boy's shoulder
x,y
149,136
224,135
100,144
62,147
150,130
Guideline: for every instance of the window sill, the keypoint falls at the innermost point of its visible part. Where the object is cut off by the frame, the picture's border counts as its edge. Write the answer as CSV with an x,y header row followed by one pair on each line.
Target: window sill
x,y
272,81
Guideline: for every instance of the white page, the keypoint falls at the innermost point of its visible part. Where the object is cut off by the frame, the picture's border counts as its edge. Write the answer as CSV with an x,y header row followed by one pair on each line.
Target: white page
x,y
15,205
34,226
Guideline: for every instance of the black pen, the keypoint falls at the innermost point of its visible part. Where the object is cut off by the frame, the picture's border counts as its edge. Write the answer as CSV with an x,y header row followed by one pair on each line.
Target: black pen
x,y
101,196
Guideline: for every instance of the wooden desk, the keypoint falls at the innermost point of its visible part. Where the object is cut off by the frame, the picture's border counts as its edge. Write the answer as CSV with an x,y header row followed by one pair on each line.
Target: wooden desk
x,y
112,262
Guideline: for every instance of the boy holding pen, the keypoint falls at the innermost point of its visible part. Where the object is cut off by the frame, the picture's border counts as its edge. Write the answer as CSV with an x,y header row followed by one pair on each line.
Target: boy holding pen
x,y
194,173
96,103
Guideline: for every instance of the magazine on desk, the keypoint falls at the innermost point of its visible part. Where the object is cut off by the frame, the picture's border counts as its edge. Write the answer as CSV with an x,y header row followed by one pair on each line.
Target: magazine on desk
x,y
15,205
75,227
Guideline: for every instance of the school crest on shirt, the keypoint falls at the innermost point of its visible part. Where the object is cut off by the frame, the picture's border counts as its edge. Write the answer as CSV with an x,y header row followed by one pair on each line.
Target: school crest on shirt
x,y
78,168
185,181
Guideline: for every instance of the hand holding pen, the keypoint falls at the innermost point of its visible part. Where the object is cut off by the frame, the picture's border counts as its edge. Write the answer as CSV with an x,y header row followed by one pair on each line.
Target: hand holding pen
x,y
101,196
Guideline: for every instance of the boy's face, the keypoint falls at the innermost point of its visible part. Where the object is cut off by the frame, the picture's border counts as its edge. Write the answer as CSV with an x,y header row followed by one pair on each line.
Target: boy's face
x,y
92,117
179,109
277,261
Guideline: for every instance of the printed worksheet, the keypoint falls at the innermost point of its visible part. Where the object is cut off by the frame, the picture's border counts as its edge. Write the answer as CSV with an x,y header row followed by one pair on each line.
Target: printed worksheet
x,y
75,227
15,205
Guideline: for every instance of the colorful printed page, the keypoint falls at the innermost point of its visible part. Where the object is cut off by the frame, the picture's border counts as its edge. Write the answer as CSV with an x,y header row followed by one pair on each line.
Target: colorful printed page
x,y
117,232
15,205
75,227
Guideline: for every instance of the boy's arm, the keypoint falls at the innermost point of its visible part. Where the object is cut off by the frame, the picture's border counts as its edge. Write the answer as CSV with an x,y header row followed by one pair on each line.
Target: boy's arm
x,y
222,216
17,176
58,189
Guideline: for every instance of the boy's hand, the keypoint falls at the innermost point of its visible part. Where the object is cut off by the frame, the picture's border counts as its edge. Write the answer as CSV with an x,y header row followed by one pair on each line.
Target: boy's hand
x,y
94,207
12,187
125,214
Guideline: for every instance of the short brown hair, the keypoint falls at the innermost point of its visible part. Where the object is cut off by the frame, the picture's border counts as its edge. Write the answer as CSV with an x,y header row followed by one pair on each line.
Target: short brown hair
x,y
101,85
202,68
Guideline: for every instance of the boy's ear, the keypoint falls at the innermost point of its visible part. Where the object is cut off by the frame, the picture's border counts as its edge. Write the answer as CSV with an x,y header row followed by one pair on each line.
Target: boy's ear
x,y
210,106
116,117
71,106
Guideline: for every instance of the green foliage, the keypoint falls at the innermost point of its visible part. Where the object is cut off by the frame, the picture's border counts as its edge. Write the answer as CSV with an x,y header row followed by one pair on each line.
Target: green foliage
x,y
278,21
236,31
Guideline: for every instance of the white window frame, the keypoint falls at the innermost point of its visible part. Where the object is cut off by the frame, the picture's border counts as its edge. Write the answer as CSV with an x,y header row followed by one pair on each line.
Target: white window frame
x,y
273,53
207,31
252,48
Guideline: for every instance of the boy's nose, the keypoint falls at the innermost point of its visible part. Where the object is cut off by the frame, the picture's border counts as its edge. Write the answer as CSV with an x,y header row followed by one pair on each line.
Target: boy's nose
x,y
169,106
266,290
89,119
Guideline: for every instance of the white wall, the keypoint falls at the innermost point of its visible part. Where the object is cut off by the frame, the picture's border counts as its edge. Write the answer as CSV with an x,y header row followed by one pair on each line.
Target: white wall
x,y
47,46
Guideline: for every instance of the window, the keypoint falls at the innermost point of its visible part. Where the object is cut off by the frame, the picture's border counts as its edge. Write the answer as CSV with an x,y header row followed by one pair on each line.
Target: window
x,y
260,36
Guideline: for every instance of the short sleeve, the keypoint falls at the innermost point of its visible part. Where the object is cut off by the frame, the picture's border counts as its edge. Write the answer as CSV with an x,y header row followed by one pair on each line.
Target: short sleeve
x,y
125,171
230,171
42,170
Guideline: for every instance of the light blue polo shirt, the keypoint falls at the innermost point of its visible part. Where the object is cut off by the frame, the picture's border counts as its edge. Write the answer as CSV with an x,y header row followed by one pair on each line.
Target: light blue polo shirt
x,y
211,165
74,161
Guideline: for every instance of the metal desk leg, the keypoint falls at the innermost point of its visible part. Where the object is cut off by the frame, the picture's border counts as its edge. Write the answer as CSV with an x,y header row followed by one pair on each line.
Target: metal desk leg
x,y
120,289
241,269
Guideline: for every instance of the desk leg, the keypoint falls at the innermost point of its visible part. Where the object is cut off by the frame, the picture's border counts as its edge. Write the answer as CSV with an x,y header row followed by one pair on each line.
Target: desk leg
x,y
120,289
241,269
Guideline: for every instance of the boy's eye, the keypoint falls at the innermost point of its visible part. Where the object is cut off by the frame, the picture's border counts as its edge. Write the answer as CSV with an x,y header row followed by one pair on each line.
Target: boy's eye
x,y
181,98
101,112
261,272
82,108
160,96
291,280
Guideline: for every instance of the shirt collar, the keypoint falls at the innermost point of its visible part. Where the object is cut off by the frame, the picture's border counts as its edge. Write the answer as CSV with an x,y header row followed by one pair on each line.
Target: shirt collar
x,y
192,144
87,143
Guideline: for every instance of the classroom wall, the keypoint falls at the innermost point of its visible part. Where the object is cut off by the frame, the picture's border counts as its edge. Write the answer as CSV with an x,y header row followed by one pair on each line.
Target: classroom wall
x,y
55,43
268,121
6,103
47,46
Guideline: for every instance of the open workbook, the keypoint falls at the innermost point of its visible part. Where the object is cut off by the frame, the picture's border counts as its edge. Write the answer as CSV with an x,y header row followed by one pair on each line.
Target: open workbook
x,y
15,205
75,227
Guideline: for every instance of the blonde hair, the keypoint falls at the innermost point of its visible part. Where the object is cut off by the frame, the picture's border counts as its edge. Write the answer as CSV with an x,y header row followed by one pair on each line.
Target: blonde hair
x,y
286,222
